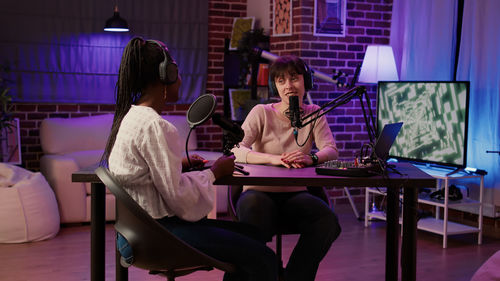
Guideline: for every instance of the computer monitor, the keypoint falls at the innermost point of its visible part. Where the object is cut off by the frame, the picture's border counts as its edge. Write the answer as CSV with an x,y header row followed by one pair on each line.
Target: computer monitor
x,y
435,117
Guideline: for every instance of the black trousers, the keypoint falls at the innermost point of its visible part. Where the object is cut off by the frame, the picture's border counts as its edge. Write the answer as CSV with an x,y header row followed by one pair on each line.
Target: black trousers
x,y
302,212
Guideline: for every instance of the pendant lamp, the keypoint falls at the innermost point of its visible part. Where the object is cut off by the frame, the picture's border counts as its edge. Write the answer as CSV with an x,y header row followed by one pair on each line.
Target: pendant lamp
x,y
116,23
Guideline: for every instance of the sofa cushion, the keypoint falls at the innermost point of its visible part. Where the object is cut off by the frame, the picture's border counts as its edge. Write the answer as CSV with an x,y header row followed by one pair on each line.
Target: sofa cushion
x,y
65,135
86,158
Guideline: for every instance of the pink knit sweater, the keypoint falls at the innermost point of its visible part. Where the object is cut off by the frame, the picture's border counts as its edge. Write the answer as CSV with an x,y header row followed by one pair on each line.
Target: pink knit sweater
x,y
269,131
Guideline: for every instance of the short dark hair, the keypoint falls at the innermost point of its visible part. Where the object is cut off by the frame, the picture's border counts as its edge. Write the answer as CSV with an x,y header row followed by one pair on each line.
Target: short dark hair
x,y
285,64
288,63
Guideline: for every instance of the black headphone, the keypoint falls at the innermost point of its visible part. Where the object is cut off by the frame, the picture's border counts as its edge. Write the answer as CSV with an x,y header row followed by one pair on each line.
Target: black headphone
x,y
168,70
308,80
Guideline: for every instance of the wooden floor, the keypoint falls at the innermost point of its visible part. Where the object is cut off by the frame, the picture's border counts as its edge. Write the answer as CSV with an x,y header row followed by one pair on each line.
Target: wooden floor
x,y
358,254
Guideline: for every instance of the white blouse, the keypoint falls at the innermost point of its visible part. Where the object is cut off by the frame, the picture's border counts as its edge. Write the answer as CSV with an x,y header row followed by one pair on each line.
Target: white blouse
x,y
147,160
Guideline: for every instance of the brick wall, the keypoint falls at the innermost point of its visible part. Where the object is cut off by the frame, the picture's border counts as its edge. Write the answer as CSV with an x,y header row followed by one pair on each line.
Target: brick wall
x,y
221,14
31,115
368,22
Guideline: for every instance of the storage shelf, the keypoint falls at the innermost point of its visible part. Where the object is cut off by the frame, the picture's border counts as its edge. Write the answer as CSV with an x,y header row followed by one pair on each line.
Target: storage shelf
x,y
426,199
432,225
437,225
443,226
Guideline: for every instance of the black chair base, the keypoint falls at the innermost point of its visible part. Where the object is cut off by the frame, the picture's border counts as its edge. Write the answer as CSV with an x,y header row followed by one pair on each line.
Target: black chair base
x,y
171,274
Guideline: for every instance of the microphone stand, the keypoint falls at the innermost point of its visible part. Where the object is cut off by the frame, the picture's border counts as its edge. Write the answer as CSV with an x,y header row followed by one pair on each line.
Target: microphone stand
x,y
359,92
230,140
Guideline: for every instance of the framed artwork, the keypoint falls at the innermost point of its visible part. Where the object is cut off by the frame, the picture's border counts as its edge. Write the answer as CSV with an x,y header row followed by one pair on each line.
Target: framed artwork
x,y
240,26
239,100
10,144
329,18
282,17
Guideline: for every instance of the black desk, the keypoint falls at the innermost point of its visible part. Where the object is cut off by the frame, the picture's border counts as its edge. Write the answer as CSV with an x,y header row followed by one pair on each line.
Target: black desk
x,y
410,179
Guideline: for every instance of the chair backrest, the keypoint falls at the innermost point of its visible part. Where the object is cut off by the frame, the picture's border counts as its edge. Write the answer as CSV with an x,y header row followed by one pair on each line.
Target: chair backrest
x,y
153,246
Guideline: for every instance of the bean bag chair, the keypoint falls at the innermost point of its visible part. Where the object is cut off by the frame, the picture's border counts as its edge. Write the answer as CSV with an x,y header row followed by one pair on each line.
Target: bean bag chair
x,y
28,206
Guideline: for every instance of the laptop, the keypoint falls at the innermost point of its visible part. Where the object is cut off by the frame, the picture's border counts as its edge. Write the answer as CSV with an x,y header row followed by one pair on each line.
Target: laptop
x,y
380,152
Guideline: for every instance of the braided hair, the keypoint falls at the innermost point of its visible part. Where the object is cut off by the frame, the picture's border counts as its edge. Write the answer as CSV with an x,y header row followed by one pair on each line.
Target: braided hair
x,y
138,69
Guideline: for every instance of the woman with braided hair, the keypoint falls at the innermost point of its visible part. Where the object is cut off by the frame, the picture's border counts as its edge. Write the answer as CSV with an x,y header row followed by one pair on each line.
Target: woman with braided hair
x,y
144,153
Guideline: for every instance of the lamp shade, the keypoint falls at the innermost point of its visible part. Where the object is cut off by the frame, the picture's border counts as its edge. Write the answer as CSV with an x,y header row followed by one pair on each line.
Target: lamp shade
x,y
378,65
116,23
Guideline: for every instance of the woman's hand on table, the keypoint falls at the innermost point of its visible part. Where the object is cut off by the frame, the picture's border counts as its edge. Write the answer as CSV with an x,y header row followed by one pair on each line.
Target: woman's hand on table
x,y
296,159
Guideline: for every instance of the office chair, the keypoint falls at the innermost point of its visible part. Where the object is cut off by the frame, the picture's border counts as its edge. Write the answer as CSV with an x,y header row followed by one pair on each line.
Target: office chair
x,y
234,193
154,247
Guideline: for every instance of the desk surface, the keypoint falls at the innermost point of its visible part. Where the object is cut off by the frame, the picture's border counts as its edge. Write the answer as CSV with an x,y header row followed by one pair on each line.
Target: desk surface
x,y
86,174
278,176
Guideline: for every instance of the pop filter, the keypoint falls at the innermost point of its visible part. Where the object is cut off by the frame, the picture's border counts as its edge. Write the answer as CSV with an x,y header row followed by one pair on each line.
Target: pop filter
x,y
201,110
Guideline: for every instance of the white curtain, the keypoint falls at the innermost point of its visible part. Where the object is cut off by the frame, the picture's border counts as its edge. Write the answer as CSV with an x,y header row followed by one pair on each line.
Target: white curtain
x,y
59,52
479,62
423,36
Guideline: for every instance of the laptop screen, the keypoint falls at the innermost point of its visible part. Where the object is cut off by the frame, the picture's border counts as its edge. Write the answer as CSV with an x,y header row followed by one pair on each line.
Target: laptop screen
x,y
386,139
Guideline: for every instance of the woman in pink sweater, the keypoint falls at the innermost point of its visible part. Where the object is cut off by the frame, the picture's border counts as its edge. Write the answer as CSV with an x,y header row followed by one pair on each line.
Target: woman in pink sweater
x,y
269,140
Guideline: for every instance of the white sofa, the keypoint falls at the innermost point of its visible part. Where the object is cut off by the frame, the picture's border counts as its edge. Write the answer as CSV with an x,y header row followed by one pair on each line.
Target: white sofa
x,y
70,144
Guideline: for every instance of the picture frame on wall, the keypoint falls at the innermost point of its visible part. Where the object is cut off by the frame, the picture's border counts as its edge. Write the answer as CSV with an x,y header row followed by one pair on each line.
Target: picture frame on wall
x,y
10,144
240,26
330,18
239,100
282,17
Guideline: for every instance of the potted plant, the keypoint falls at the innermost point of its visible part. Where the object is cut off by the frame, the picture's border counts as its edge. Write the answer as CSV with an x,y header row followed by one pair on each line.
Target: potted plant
x,y
6,118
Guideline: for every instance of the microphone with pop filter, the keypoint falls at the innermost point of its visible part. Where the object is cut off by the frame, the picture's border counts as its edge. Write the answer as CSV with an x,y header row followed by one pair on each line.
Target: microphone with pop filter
x,y
198,113
201,110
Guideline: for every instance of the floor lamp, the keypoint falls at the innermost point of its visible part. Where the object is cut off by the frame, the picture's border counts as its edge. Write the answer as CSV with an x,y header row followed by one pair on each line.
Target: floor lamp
x,y
378,65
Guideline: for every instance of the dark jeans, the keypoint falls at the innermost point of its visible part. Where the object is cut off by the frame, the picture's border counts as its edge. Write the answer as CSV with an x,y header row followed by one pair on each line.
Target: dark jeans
x,y
301,212
236,243
231,242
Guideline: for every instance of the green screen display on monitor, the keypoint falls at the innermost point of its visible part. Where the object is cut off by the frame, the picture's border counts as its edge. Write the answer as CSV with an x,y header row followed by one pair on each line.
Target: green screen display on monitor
x,y
435,120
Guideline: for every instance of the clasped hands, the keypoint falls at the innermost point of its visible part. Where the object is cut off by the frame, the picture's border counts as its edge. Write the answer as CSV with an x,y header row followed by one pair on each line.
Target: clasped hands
x,y
294,159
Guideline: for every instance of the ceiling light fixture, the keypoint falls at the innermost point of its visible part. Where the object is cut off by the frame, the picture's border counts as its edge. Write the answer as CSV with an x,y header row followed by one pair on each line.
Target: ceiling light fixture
x,y
116,23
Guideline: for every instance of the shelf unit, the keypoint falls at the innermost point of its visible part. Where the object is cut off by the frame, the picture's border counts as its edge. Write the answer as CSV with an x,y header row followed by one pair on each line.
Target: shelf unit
x,y
435,224
232,69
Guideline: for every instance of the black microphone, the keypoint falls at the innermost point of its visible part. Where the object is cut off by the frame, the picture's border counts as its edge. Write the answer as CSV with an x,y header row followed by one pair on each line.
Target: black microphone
x,y
228,125
294,111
